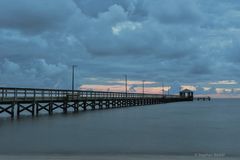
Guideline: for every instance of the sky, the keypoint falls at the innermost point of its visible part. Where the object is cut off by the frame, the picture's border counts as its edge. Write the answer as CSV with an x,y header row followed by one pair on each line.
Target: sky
x,y
171,44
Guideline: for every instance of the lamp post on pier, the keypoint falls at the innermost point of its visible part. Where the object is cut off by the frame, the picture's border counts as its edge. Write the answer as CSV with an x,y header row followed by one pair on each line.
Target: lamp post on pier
x,y
73,77
126,85
143,87
163,89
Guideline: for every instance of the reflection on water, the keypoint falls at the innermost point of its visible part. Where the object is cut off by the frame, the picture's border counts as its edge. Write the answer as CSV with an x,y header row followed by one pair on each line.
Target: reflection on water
x,y
187,128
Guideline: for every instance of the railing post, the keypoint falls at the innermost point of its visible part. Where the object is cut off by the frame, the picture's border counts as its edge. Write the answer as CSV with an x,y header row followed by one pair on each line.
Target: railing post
x,y
72,93
58,94
51,95
25,94
43,94
83,94
66,93
2,94
15,94
80,94
6,93
34,94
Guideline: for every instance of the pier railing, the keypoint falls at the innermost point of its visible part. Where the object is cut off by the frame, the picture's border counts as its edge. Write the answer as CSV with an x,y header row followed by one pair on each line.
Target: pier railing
x,y
14,101
15,94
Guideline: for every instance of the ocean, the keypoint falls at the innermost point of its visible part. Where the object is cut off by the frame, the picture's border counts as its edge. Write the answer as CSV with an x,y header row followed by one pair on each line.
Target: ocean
x,y
194,130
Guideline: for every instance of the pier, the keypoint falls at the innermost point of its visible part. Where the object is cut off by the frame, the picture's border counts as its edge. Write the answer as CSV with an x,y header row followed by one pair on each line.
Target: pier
x,y
31,101
203,98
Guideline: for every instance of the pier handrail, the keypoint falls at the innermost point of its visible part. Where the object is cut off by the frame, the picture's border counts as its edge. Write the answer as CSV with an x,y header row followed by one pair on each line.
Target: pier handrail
x,y
33,93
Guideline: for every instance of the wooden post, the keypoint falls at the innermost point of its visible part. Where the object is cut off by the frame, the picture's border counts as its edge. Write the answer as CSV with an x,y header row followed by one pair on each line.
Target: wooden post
x,y
37,109
50,111
34,94
65,105
18,110
2,94
33,109
15,94
76,106
12,110
84,105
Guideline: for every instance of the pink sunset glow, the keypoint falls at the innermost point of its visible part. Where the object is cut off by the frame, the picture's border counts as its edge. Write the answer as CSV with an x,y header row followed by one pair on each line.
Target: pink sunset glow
x,y
121,88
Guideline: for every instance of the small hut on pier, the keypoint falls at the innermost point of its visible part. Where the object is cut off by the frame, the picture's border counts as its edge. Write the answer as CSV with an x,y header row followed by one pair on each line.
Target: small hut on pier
x,y
186,93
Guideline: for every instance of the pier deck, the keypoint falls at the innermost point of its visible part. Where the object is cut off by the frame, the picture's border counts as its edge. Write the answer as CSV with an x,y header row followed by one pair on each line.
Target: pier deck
x,y
15,101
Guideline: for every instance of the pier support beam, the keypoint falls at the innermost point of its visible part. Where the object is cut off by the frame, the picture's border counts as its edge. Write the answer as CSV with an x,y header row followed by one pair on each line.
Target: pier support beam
x,y
65,107
8,109
76,107
29,108
44,106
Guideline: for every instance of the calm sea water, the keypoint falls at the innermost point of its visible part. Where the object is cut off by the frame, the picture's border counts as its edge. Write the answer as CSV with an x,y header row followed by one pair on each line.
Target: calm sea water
x,y
188,128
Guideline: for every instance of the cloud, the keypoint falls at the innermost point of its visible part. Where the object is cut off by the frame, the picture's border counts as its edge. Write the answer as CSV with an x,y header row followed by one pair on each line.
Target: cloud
x,y
225,82
172,11
180,43
131,82
34,16
116,30
193,88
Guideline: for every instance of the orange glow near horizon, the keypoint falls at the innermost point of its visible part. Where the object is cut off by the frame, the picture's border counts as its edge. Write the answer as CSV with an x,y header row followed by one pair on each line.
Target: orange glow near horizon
x,y
121,88
220,92
133,82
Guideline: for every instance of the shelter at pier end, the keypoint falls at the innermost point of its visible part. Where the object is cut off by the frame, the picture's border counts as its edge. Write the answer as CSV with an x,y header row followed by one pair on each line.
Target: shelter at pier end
x,y
186,93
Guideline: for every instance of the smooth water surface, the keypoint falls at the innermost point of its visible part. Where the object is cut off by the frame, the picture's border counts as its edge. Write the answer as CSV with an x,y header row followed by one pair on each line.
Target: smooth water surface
x,y
186,128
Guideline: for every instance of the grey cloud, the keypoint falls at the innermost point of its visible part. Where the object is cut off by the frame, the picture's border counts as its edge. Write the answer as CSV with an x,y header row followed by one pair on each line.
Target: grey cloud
x,y
93,8
33,15
178,40
200,90
232,50
171,11
41,75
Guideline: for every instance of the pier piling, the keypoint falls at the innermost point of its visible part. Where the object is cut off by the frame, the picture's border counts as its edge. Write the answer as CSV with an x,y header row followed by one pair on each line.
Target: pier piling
x,y
34,101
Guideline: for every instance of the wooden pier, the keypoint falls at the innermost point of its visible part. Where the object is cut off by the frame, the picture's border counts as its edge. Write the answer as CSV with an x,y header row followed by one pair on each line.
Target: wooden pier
x,y
16,101
202,98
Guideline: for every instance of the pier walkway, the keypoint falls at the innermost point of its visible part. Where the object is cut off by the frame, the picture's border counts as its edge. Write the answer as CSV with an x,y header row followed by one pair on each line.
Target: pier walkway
x,y
16,101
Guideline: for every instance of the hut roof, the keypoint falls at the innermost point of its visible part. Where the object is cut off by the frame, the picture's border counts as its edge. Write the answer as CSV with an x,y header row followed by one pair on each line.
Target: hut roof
x,y
186,91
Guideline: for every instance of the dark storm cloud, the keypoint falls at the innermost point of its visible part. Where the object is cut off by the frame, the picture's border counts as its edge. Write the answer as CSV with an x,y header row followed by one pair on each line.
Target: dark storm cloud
x,y
34,15
93,8
184,41
172,11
